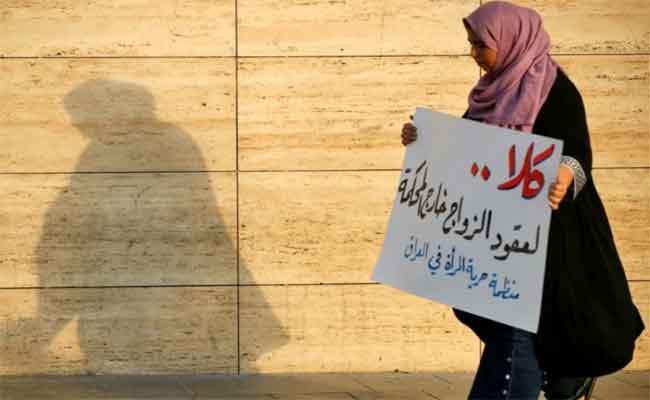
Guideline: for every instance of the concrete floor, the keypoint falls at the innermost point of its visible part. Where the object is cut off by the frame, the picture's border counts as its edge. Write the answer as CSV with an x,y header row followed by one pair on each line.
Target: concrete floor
x,y
359,386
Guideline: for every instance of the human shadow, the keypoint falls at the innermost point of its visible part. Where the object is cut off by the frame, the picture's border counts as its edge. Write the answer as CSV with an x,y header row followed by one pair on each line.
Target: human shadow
x,y
137,256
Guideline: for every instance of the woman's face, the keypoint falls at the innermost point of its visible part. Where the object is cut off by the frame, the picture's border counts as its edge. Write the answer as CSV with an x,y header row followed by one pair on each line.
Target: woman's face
x,y
485,57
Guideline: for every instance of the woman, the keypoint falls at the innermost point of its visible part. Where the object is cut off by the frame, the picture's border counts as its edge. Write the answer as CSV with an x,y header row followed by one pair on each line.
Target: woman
x,y
588,322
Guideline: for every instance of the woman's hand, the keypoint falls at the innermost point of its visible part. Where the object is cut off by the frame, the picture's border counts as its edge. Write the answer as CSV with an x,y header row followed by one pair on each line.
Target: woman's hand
x,y
560,187
409,133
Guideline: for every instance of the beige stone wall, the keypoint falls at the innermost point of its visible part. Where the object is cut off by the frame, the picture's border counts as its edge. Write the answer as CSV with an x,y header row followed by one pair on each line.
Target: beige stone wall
x,y
202,186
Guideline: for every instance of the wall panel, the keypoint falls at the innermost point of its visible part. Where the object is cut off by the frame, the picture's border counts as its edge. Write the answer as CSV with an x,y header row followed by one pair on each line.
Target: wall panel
x,y
340,113
44,28
117,115
117,229
641,297
595,26
355,27
351,328
626,196
616,93
118,331
313,227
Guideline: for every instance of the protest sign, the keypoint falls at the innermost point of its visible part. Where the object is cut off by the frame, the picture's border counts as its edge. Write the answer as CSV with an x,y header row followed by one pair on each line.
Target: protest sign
x,y
470,220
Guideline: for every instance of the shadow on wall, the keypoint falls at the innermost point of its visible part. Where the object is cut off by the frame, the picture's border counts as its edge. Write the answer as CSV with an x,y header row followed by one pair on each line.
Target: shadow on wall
x,y
138,269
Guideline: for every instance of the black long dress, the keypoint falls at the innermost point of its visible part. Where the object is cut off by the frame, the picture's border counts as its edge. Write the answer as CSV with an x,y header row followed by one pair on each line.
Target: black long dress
x,y
588,323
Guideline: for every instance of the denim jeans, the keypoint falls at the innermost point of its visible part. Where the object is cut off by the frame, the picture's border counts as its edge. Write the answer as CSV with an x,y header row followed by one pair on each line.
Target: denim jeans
x,y
509,368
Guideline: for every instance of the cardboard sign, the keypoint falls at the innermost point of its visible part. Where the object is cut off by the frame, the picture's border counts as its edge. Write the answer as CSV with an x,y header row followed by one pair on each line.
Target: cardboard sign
x,y
470,220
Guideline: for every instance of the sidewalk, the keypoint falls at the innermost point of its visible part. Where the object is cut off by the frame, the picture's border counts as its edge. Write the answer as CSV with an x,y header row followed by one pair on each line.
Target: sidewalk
x,y
359,386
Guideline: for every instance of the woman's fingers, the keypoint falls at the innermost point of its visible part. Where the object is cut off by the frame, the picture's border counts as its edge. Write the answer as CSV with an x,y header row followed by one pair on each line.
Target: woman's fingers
x,y
560,187
556,194
556,198
408,127
407,139
409,133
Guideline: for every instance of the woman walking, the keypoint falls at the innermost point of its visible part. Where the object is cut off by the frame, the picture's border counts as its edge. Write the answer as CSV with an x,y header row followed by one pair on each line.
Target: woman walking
x,y
588,323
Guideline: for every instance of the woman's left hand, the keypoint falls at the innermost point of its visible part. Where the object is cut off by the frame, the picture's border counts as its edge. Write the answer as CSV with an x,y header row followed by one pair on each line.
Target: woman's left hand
x,y
560,187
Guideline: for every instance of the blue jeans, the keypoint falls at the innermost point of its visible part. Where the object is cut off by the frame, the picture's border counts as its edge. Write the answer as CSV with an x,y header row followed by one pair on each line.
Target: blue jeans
x,y
509,368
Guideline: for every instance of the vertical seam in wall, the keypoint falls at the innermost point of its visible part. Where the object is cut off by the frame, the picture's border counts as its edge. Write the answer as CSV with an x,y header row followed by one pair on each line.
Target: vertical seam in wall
x,y
237,177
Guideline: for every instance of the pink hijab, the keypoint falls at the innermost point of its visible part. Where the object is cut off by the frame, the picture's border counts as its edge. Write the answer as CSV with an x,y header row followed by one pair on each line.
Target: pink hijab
x,y
514,92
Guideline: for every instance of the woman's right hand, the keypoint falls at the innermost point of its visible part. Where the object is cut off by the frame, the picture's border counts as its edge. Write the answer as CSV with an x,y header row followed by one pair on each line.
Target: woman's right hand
x,y
409,133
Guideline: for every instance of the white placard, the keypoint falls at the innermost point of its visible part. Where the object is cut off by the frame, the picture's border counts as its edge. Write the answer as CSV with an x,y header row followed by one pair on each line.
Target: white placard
x,y
469,225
